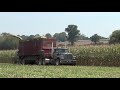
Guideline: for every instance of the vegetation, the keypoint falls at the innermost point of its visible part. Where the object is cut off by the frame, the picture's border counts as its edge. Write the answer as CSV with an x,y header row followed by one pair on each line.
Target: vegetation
x,y
11,42
82,37
104,55
73,33
61,37
95,38
8,53
35,71
48,35
115,37
7,41
8,56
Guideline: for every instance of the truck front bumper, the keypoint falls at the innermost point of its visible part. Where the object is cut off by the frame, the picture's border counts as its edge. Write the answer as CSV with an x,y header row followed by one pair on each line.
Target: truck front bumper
x,y
68,62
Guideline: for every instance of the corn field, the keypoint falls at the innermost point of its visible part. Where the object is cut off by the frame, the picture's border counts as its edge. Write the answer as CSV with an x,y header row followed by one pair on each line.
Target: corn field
x,y
104,55
8,56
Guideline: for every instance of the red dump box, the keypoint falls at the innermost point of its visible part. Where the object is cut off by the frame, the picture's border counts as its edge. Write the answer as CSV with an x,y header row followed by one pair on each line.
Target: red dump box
x,y
32,47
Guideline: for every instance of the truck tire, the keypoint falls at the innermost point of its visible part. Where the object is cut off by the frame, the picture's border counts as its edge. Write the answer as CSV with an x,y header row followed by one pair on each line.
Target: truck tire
x,y
74,64
39,62
23,62
44,63
57,62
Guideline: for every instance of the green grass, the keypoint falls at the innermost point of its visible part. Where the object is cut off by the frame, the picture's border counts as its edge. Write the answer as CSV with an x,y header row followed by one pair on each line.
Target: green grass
x,y
35,71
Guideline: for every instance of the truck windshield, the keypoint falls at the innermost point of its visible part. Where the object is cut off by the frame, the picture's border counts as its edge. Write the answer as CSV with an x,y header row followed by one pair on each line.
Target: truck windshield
x,y
61,50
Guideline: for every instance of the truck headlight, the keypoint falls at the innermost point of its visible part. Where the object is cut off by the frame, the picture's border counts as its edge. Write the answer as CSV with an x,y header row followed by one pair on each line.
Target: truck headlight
x,y
46,59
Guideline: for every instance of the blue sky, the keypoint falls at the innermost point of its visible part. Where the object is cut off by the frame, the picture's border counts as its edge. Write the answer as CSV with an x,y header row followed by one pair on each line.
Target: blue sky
x,y
89,23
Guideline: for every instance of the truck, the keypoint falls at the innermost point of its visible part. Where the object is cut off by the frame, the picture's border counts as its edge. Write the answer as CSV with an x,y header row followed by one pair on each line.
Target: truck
x,y
43,51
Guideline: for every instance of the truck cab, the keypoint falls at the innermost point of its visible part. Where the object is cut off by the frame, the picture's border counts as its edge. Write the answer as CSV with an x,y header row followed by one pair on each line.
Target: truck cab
x,y
63,56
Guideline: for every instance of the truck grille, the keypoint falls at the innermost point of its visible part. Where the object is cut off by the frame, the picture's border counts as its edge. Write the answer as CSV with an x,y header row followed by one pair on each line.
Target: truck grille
x,y
68,56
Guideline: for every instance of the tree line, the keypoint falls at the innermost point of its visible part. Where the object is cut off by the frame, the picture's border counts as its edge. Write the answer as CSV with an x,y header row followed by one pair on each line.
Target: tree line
x,y
71,34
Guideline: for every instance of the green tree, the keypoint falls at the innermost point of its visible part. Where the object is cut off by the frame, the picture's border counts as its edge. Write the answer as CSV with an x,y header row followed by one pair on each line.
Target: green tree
x,y
48,35
115,37
95,38
8,41
62,36
56,36
37,35
101,37
31,37
82,37
1,41
24,37
73,33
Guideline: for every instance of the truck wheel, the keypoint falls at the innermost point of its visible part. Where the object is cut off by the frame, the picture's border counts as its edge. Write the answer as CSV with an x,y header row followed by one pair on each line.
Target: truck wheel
x,y
44,63
39,62
23,62
74,64
57,62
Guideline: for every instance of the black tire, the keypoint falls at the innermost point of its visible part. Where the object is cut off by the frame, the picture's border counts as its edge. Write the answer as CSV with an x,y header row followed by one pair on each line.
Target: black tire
x,y
39,62
44,63
73,64
57,62
23,62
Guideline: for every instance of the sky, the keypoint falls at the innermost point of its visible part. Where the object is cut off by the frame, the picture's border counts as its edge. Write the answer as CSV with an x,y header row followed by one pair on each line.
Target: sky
x,y
31,23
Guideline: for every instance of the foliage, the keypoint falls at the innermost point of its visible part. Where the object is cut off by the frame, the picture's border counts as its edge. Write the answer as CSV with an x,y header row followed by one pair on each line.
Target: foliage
x,y
8,56
82,37
95,38
115,37
56,36
8,41
48,35
8,53
104,55
61,37
73,33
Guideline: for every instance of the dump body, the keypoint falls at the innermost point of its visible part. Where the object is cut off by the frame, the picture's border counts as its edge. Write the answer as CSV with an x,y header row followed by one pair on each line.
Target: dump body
x,y
33,47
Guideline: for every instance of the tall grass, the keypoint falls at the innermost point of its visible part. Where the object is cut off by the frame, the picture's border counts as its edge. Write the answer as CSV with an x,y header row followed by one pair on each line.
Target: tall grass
x,y
8,53
7,56
104,55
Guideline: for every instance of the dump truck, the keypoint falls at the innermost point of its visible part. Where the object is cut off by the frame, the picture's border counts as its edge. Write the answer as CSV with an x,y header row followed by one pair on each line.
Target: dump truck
x,y
43,51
